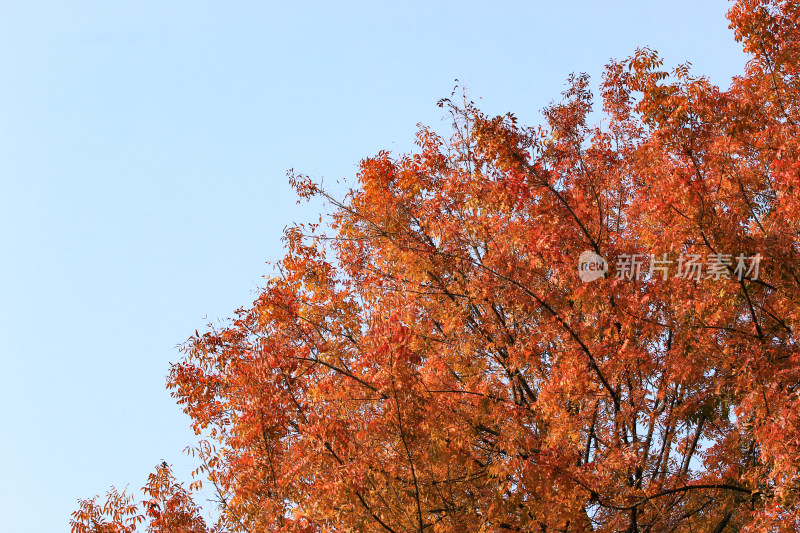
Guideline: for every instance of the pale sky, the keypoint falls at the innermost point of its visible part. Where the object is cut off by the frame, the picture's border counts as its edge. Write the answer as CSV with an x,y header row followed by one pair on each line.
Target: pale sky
x,y
143,152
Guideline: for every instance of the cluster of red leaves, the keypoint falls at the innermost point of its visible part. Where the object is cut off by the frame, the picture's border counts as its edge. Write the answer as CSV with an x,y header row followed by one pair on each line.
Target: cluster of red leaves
x,y
434,363
167,507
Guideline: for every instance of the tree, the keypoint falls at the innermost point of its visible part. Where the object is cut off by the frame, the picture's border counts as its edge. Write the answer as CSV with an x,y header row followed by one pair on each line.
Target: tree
x,y
433,362
168,508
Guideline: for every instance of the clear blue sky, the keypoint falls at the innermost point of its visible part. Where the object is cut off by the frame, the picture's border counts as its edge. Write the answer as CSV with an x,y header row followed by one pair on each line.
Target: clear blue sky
x,y
143,150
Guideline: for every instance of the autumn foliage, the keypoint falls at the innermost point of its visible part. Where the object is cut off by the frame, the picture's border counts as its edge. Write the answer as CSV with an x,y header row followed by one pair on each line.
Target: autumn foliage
x,y
428,359
167,507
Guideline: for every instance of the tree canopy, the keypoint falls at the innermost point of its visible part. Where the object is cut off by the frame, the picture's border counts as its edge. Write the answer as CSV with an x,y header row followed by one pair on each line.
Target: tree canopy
x,y
428,358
